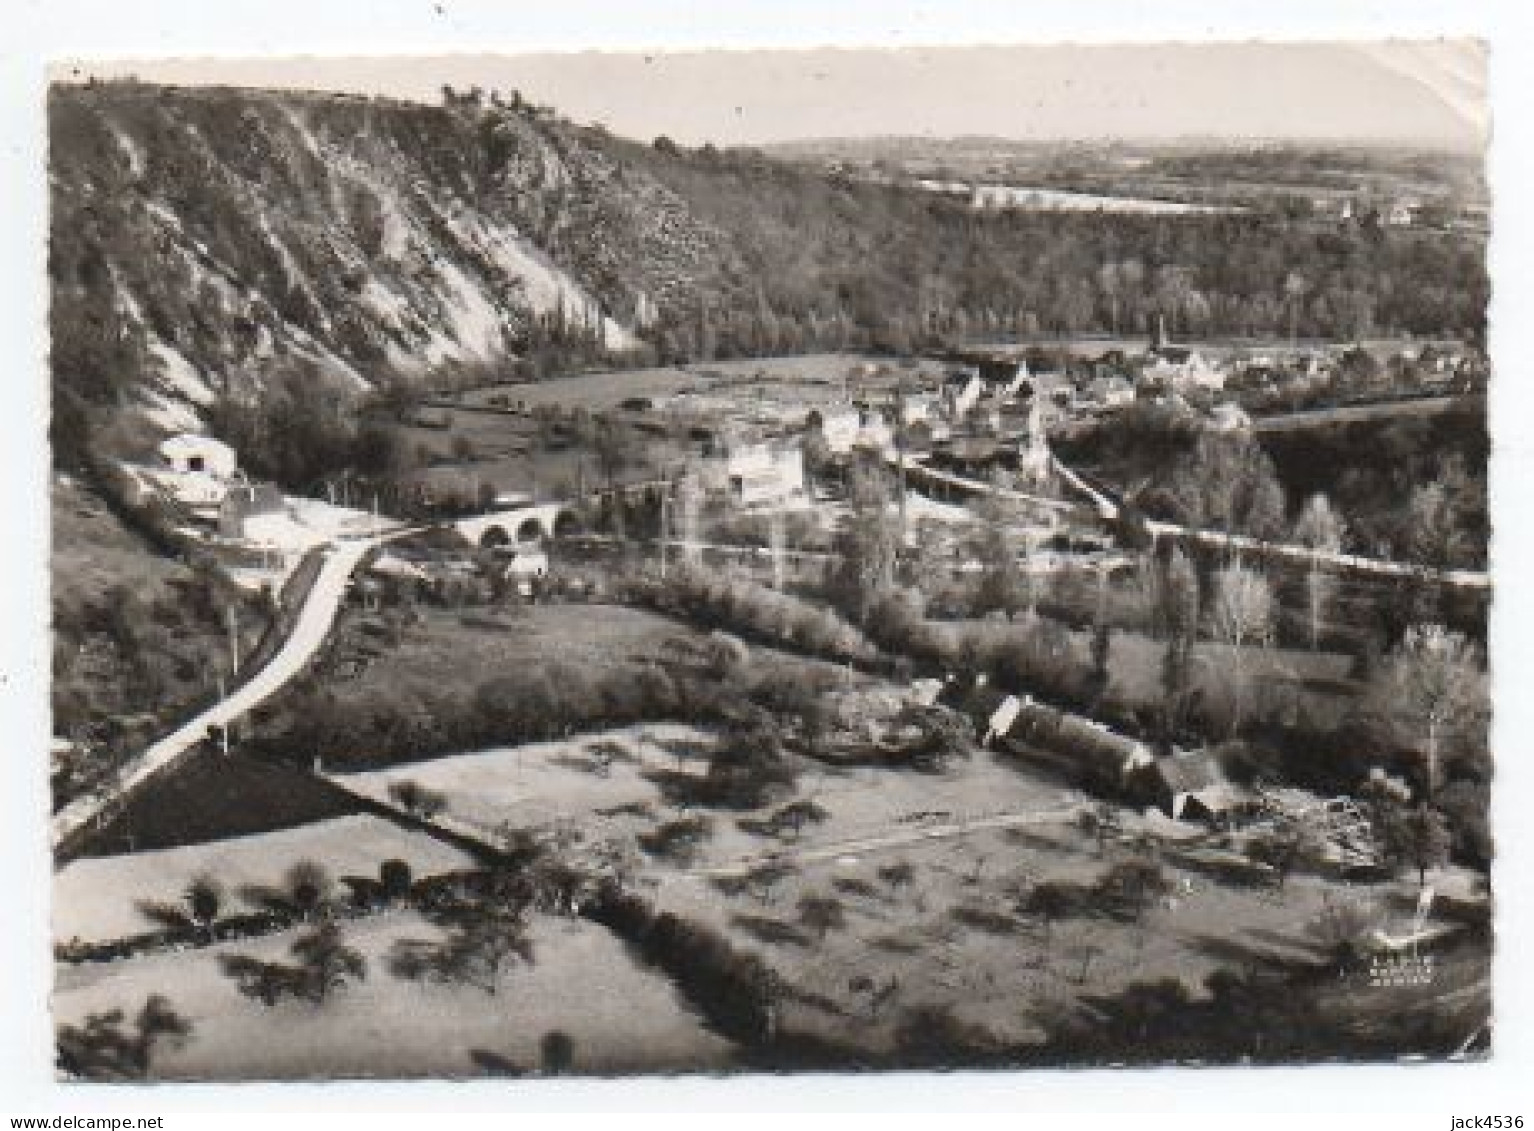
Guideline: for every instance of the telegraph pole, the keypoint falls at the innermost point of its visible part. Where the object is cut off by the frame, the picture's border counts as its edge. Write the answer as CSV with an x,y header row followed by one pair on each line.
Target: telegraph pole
x,y
665,527
900,387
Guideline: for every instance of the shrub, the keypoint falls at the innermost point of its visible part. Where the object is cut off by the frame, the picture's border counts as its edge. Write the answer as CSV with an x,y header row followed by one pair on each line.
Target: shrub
x,y
394,878
557,1052
677,841
734,991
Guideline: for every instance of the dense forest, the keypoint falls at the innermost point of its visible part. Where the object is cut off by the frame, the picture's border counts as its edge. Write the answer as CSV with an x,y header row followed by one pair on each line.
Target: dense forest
x,y
205,241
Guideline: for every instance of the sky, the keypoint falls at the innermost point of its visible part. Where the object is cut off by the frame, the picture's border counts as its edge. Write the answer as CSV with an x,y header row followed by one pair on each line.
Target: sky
x,y
1429,92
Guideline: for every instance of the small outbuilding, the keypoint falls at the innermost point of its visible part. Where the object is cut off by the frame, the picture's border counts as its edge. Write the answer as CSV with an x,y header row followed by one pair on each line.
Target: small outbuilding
x,y
246,501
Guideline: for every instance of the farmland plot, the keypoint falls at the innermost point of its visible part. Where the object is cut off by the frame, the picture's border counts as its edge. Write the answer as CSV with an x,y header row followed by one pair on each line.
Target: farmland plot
x,y
621,1018
96,899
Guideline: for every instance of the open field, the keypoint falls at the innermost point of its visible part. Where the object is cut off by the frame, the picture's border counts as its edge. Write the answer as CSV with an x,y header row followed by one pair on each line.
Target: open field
x,y
209,797
547,785
505,451
622,1018
448,652
96,899
594,391
500,444
1319,682
950,936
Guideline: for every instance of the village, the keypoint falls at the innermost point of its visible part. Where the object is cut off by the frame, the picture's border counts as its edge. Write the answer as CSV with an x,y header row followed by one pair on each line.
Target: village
x,y
714,642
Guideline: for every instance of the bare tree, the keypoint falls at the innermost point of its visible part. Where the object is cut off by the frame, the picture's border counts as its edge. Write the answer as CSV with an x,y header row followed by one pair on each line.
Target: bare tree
x,y
1240,615
1322,529
1432,687
1295,288
1175,608
1435,537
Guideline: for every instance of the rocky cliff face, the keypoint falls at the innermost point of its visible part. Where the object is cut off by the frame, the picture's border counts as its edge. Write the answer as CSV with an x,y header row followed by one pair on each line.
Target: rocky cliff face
x,y
203,239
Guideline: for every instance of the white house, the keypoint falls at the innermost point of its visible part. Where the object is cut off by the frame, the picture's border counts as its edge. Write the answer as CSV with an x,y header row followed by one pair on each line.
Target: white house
x,y
1185,369
841,429
863,426
1402,213
188,454
754,474
196,471
1228,416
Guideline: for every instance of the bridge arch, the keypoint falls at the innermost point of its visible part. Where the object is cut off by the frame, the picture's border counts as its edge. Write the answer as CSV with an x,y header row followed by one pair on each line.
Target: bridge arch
x,y
521,525
493,536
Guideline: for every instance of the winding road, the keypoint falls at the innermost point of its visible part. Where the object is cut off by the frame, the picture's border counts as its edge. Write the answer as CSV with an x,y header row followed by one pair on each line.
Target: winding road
x,y
309,632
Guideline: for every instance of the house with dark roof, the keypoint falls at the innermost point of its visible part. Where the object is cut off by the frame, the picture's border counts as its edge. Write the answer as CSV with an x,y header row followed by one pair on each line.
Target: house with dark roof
x,y
1192,786
1087,750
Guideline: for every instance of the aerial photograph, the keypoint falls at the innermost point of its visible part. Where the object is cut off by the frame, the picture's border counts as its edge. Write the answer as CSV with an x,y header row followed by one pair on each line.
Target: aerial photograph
x,y
769,561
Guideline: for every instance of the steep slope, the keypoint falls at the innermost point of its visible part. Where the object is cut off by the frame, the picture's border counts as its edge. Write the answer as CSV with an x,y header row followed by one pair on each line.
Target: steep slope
x,y
202,238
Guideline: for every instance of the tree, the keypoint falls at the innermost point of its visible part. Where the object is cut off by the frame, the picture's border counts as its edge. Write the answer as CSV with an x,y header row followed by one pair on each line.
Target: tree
x,y
102,1048
1241,616
204,899
557,1051
1295,287
822,914
1432,689
1344,924
416,799
897,875
1051,902
1320,528
678,841
1285,848
394,878
327,961
1435,537
795,815
1175,608
1422,840
482,938
308,887
1131,887
616,449
1004,585
869,543
1229,484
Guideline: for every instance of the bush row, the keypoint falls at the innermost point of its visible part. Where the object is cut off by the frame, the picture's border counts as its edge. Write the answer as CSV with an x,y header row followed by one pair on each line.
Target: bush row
x,y
727,599
731,989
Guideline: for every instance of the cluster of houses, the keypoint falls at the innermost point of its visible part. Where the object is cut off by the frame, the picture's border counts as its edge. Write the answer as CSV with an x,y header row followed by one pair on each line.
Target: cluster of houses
x,y
1221,388
758,461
